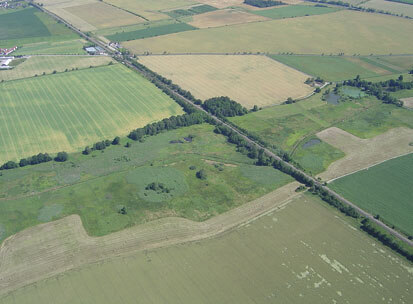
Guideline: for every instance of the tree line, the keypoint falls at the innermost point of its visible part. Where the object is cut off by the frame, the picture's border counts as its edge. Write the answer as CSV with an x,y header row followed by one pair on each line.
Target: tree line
x,y
263,3
381,89
223,107
374,230
34,160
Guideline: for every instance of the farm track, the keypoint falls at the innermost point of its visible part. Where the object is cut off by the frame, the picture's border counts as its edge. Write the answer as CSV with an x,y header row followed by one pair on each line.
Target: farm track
x,y
49,249
267,151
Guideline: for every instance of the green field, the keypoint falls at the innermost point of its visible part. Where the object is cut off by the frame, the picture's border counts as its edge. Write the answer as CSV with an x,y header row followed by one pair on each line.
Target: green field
x,y
29,25
292,11
371,33
37,65
66,111
302,253
338,68
98,185
190,11
53,48
385,189
151,32
291,126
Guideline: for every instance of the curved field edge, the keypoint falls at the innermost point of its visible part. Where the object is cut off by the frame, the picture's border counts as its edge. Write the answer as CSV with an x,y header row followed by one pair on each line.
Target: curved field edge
x,y
323,259
52,248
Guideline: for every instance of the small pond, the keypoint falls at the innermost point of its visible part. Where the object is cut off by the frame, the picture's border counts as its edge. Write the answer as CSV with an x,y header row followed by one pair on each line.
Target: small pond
x,y
311,142
332,98
352,92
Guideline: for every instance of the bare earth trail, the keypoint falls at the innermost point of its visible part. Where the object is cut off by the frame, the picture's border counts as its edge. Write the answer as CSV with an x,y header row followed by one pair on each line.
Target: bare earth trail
x,y
49,249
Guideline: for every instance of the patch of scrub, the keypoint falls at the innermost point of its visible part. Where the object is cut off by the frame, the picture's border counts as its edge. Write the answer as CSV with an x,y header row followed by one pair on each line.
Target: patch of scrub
x,y
352,92
158,184
332,98
264,175
47,213
311,142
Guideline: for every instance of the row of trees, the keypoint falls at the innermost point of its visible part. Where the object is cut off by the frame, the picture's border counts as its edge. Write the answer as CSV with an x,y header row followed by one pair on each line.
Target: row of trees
x,y
374,230
171,123
263,3
34,160
381,89
224,107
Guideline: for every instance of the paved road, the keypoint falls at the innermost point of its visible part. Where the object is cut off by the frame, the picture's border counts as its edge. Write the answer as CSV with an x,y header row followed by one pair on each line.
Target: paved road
x,y
127,62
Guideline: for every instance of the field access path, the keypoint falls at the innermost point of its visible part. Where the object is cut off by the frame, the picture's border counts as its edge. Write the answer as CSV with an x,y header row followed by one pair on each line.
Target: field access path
x,y
128,62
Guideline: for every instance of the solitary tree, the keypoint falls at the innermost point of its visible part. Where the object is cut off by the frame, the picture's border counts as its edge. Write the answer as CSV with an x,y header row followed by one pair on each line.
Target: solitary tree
x,y
201,174
61,157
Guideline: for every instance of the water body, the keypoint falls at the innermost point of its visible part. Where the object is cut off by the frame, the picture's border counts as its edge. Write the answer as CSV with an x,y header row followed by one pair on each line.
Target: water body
x,y
332,98
311,142
352,92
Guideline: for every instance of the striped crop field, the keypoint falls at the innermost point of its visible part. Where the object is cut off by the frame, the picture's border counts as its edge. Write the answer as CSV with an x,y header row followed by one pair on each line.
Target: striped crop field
x,y
67,111
37,65
250,80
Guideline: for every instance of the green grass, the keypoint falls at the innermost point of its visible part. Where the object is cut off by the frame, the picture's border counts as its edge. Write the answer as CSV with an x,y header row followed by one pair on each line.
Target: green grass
x,y
303,253
295,11
402,1
69,47
66,111
151,32
330,68
291,126
30,25
385,189
22,24
98,185
195,10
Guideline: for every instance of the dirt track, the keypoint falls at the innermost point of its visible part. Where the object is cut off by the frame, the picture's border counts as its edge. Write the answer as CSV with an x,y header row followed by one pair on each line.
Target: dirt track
x,y
52,248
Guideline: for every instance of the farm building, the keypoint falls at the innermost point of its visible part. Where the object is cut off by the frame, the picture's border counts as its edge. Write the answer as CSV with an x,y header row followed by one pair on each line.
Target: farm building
x,y
5,61
6,52
95,50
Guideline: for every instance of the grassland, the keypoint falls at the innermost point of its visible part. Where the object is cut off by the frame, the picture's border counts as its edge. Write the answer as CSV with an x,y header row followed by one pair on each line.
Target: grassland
x,y
337,68
250,80
151,31
291,126
372,33
37,65
29,25
292,11
363,153
53,48
193,10
98,185
325,259
65,112
390,6
384,189
223,18
102,15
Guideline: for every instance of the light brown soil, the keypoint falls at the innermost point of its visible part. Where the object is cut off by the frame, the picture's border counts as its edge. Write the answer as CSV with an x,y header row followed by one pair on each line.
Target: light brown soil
x,y
223,18
408,102
364,153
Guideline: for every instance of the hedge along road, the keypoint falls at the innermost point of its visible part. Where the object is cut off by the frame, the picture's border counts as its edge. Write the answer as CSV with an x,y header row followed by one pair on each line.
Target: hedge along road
x,y
128,62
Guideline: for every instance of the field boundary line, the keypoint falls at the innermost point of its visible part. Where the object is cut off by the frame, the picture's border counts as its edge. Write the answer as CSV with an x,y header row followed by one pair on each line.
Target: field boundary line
x,y
368,167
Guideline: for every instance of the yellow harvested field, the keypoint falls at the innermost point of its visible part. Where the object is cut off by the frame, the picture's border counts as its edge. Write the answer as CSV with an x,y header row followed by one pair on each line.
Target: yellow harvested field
x,y
149,8
364,153
221,3
102,15
408,102
223,18
390,6
37,65
370,33
52,248
248,79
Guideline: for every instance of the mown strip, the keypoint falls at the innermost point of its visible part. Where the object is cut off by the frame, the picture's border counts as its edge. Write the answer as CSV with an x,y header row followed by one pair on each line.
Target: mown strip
x,y
151,32
295,11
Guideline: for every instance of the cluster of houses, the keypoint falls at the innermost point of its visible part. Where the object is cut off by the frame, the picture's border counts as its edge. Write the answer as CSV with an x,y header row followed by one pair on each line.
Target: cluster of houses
x,y
5,52
10,4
